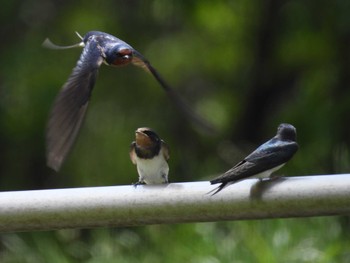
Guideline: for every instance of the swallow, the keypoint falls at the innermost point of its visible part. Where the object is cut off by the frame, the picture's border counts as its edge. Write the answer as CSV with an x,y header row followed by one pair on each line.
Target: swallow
x,y
266,159
150,154
70,106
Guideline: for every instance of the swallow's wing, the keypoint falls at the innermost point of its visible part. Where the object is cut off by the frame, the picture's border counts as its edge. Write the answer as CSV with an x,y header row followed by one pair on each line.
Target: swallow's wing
x,y
71,104
267,156
240,171
132,153
165,150
140,61
273,153
233,175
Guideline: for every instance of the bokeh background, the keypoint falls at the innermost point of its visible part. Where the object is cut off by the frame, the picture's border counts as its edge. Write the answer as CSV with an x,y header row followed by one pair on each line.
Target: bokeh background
x,y
245,65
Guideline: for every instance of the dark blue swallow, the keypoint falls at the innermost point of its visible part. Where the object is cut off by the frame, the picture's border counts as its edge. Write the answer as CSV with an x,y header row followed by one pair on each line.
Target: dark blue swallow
x,y
71,103
265,160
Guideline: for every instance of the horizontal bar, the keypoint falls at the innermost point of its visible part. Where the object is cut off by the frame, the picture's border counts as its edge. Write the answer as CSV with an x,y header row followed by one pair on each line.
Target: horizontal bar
x,y
120,206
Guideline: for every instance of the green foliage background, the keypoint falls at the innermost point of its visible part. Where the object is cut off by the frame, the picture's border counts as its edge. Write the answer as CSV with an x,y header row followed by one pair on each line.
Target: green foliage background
x,y
245,65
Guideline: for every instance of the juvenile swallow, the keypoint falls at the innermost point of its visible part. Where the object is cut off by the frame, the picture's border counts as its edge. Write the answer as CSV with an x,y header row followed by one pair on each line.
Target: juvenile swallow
x,y
71,103
265,160
150,155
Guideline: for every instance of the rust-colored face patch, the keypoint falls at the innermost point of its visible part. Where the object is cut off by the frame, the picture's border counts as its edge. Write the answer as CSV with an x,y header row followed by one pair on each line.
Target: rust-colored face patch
x,y
142,140
124,56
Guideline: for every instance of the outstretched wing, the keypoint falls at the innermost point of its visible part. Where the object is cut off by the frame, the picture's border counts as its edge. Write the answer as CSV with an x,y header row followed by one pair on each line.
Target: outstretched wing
x,y
71,104
142,62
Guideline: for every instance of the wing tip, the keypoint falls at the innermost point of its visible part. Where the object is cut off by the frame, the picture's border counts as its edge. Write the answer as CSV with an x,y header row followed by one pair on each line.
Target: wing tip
x,y
54,163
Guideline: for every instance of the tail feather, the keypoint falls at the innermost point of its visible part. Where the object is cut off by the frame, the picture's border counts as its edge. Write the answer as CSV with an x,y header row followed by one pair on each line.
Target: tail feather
x,y
217,189
48,44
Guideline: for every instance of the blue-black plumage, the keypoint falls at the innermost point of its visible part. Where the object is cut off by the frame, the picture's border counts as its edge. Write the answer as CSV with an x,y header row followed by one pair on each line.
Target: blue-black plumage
x,y
266,159
71,104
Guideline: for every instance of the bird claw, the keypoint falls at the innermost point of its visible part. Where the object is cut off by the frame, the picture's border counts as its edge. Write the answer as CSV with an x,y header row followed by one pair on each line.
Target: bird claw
x,y
138,183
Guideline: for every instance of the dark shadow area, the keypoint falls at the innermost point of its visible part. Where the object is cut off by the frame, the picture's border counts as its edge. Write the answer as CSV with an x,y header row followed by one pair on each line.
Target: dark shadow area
x,y
262,186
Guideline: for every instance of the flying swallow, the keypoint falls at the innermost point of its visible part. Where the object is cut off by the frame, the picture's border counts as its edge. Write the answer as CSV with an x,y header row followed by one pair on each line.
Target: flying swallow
x,y
71,103
150,155
265,160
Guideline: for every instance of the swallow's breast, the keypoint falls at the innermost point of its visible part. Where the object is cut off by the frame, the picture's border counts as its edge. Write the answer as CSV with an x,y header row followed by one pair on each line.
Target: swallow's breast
x,y
153,170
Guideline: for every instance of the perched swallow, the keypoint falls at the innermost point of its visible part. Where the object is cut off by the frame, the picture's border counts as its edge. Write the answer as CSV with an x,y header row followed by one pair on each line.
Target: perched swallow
x,y
150,155
71,103
265,160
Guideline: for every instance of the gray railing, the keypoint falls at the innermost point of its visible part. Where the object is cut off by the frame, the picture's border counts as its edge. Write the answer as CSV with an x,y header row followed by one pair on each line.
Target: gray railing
x,y
174,203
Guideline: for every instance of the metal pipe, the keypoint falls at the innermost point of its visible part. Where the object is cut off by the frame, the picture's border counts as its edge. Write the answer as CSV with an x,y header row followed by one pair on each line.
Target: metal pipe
x,y
119,206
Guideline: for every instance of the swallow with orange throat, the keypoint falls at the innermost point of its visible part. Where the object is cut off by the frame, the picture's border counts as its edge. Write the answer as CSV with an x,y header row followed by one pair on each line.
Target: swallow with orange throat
x,y
71,104
150,154
266,159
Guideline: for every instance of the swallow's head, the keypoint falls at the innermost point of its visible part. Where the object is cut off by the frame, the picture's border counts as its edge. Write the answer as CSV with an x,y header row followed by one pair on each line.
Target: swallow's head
x,y
118,55
286,131
146,138
148,143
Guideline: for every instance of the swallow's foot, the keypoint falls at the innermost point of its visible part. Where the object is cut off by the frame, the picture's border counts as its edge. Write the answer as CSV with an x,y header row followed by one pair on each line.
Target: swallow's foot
x,y
275,177
165,177
138,183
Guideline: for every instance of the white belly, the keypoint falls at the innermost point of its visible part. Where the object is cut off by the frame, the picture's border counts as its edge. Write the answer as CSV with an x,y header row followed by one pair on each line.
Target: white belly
x,y
153,171
267,173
